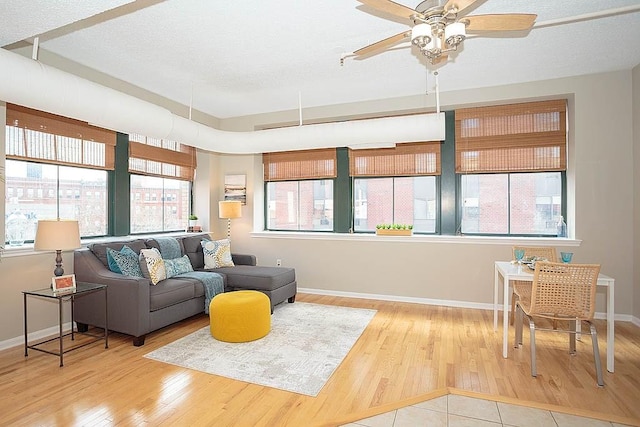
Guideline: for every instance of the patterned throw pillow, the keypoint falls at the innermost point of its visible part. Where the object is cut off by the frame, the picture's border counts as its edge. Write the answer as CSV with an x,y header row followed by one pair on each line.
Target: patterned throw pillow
x,y
176,266
152,265
124,262
217,253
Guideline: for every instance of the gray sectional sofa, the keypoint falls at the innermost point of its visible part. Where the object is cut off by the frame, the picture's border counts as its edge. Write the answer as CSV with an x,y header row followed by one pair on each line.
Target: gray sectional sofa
x,y
136,307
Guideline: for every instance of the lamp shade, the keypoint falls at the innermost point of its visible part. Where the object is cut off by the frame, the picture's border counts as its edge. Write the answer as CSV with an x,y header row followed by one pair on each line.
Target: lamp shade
x,y
230,209
53,235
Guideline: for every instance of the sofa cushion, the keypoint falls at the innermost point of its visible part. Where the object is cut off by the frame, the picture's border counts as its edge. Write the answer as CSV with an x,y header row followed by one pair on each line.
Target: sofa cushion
x,y
217,253
176,266
174,291
193,249
100,249
256,277
152,265
167,246
126,261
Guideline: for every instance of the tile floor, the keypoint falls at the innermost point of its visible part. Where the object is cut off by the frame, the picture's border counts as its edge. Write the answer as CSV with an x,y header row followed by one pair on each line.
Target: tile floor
x,y
461,411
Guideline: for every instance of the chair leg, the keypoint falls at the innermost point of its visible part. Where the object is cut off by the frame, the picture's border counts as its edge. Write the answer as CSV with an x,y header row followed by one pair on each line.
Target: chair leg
x,y
519,320
513,307
572,336
532,343
596,354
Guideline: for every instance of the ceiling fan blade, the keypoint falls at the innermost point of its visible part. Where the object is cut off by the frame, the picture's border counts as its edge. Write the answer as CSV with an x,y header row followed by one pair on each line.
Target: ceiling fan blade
x,y
383,44
392,8
505,22
460,5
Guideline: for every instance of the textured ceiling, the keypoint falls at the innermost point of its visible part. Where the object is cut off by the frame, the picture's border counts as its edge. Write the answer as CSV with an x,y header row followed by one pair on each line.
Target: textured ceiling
x,y
232,59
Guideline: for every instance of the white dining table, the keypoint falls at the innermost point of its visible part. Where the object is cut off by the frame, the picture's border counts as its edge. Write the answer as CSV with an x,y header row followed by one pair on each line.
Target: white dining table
x,y
509,271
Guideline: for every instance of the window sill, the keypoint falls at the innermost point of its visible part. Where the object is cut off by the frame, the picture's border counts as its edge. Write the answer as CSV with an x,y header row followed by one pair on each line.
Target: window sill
x,y
420,238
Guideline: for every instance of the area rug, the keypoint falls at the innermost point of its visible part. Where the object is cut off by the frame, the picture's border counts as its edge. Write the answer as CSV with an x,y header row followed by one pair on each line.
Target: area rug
x,y
306,344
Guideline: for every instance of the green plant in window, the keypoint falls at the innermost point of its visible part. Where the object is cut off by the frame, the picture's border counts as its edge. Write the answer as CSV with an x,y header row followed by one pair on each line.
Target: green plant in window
x,y
394,227
193,217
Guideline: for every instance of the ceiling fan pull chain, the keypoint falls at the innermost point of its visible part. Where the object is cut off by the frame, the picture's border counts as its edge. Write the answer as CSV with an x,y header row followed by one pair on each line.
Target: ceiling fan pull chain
x,y
437,93
426,79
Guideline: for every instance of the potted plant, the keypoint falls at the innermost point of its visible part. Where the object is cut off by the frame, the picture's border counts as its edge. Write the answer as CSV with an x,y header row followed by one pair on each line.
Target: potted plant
x,y
193,220
394,230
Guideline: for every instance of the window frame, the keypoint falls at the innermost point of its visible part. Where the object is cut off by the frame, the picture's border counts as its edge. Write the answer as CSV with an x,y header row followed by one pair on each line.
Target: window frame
x,y
459,205
161,205
298,230
59,197
393,197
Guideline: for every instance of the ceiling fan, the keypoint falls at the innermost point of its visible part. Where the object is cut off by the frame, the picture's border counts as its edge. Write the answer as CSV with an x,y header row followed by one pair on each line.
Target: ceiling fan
x,y
440,26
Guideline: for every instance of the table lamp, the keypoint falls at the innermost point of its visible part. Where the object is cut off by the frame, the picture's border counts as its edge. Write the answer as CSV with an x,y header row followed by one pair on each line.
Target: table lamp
x,y
229,209
57,235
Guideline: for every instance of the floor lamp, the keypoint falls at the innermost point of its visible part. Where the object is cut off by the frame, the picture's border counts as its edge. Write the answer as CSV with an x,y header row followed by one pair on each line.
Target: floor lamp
x,y
57,235
228,209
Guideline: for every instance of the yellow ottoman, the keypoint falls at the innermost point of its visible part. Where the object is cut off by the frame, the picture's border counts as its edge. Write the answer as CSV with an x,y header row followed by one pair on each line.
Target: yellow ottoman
x,y
240,316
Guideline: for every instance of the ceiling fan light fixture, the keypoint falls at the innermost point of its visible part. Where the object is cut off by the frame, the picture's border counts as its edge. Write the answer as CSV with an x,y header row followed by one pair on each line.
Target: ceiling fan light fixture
x,y
421,35
454,34
435,43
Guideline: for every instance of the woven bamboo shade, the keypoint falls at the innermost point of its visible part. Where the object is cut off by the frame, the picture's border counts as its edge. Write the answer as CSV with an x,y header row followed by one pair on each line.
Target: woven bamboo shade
x,y
410,159
158,157
298,165
512,138
48,138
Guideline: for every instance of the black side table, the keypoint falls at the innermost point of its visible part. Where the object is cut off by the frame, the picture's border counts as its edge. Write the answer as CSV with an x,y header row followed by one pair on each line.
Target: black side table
x,y
82,289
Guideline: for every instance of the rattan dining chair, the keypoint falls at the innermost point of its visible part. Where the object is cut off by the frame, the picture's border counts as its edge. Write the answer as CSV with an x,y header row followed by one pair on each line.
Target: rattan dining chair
x,y
560,292
519,286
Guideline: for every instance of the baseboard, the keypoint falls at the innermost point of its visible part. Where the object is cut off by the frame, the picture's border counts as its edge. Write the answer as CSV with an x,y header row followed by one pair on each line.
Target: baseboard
x,y
34,336
396,298
439,302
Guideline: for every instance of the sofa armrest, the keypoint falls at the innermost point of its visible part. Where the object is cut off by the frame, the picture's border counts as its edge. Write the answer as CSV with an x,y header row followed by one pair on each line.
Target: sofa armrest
x,y
128,297
243,259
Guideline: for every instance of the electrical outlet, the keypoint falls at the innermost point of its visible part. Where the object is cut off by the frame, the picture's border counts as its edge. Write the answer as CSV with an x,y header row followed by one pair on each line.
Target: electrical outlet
x,y
278,262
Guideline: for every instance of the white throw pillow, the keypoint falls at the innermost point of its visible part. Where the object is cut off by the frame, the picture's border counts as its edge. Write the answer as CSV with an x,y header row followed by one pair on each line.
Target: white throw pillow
x,y
152,265
217,253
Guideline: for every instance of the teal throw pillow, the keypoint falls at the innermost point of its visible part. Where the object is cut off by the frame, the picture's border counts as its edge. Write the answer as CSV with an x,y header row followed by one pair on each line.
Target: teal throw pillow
x,y
176,266
126,261
113,265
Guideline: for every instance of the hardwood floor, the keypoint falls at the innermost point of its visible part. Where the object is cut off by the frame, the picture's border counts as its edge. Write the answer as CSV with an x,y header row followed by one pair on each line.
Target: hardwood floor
x,y
408,351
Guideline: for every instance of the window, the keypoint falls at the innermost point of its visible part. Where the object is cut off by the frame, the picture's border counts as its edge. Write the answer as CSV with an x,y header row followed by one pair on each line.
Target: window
x,y
519,203
299,188
381,195
401,200
151,215
91,216
162,171
511,161
300,205
51,161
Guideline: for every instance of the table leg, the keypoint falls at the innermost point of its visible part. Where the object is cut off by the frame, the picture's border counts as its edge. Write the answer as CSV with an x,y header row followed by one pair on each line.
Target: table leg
x,y
26,339
505,317
610,325
496,280
60,327
73,300
106,320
